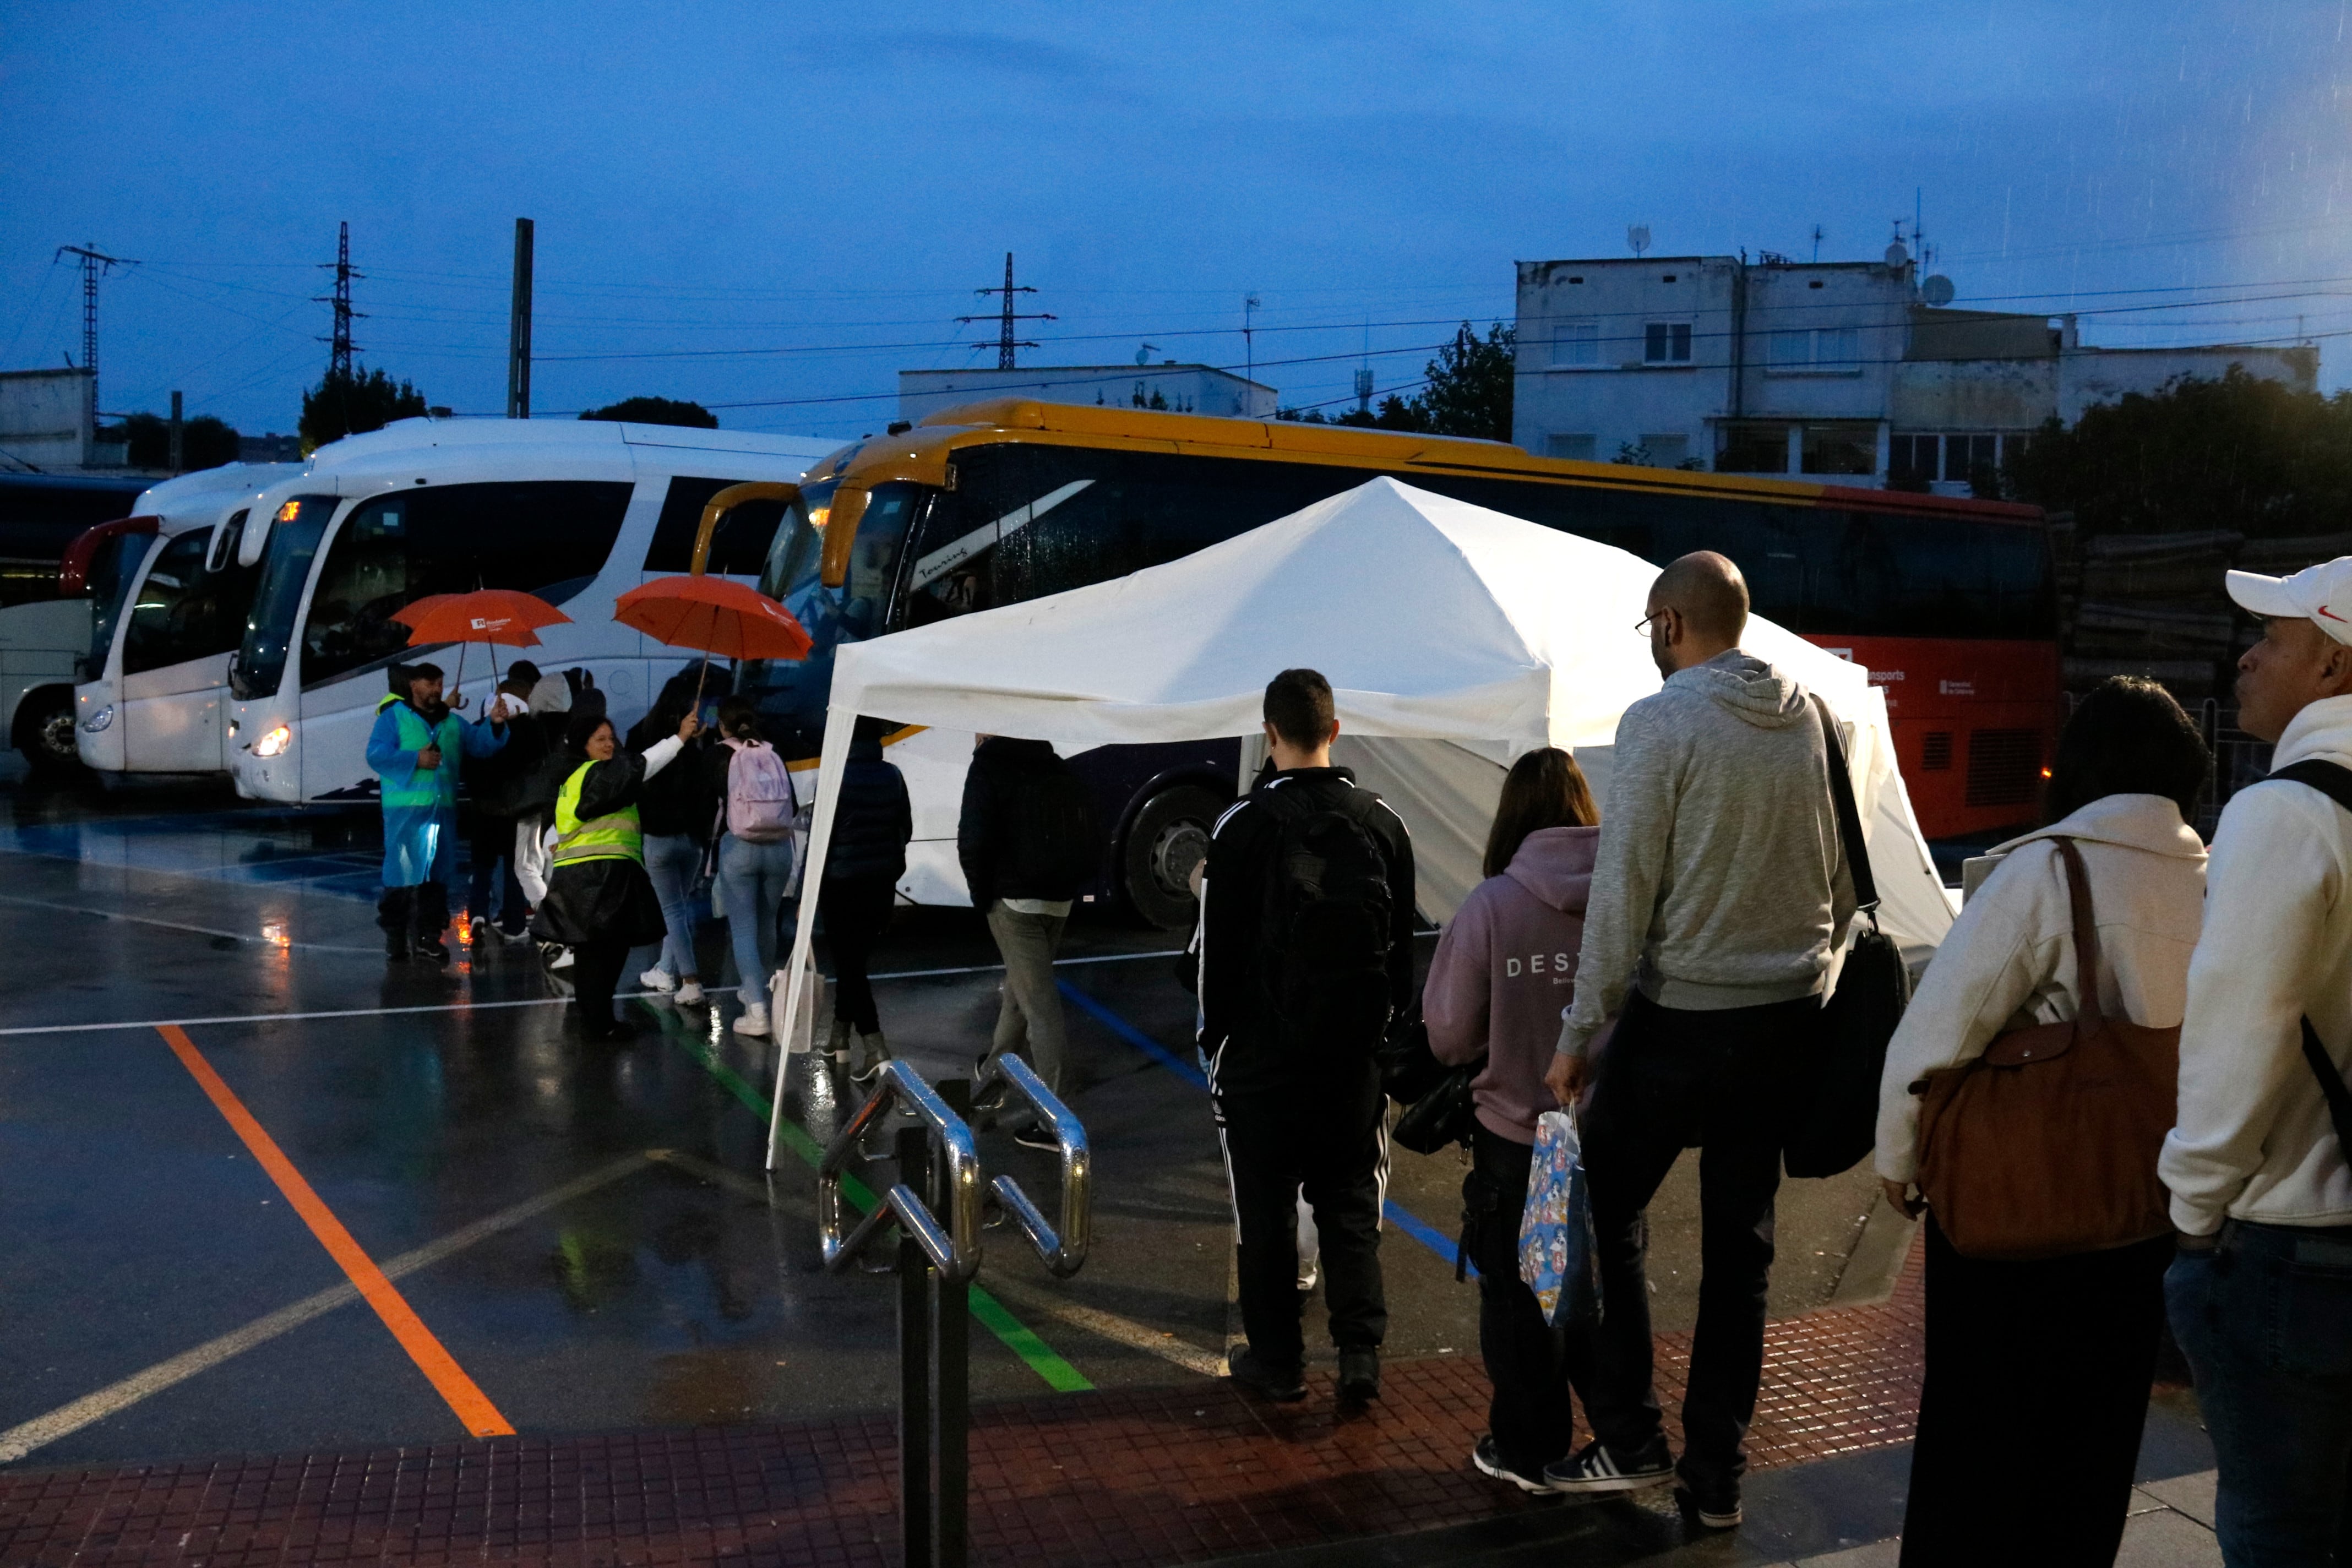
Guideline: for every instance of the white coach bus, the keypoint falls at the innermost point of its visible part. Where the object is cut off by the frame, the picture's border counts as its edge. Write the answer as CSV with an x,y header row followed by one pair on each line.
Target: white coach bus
x,y
167,604
576,511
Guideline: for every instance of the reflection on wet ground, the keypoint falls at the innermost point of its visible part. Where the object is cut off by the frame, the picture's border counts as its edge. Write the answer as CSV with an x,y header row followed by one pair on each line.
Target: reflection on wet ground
x,y
586,1231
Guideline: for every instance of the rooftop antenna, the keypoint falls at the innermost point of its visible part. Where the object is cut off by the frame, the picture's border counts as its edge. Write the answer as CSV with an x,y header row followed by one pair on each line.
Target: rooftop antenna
x,y
340,348
1364,374
95,265
1638,237
1143,355
1250,303
1005,318
1816,242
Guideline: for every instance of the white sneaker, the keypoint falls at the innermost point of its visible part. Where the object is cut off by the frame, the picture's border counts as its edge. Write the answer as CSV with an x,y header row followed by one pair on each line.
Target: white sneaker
x,y
1306,1278
690,993
658,979
754,1021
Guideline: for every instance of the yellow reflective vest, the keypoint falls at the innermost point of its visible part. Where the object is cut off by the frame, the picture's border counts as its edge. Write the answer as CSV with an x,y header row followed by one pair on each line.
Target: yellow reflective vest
x,y
613,837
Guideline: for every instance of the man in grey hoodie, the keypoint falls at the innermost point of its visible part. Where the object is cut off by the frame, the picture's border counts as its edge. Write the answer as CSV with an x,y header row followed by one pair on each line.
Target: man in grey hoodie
x,y
1721,893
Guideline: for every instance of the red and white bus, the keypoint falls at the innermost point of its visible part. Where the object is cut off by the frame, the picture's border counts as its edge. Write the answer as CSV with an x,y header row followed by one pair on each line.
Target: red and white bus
x,y
1949,601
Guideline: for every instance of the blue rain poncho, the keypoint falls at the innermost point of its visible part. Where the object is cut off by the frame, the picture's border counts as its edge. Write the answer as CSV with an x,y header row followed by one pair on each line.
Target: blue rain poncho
x,y
420,804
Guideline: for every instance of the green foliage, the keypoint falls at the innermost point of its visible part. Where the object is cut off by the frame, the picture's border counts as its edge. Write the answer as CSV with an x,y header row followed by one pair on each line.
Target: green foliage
x,y
2242,453
204,441
352,405
1467,393
657,411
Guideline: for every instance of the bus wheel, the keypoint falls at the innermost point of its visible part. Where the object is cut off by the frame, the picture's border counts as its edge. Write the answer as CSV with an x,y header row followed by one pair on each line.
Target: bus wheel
x,y
45,730
1169,837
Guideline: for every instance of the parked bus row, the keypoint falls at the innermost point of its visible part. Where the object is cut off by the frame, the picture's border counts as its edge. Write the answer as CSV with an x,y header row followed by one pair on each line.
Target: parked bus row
x,y
253,628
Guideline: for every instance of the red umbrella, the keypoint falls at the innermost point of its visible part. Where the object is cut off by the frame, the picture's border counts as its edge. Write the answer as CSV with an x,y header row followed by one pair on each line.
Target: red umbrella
x,y
713,615
485,615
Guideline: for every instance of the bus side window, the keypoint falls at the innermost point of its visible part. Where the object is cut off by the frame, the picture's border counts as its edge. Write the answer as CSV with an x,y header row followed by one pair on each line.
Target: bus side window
x,y
545,537
951,559
738,546
170,607
873,558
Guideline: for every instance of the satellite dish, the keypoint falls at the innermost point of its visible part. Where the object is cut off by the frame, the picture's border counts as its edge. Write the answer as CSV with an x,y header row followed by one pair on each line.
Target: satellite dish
x,y
1896,255
1638,237
1937,290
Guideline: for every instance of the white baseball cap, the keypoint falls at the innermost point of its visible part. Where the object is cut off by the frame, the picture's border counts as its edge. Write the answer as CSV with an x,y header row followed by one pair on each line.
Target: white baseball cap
x,y
2321,593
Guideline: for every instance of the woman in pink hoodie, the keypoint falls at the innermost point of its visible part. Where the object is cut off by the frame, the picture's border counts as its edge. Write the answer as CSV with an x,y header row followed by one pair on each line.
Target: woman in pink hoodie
x,y
1504,970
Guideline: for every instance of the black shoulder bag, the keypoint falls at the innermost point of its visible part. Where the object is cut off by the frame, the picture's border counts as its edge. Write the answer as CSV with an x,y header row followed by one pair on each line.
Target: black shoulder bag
x,y
1834,1114
2334,782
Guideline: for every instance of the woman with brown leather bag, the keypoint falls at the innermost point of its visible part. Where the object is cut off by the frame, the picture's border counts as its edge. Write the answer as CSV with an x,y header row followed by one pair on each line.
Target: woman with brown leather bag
x,y
2026,1096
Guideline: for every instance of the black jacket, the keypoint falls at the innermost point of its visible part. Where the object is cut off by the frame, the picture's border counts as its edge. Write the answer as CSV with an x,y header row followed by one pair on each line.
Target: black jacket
x,y
500,783
872,821
1235,1030
589,900
1005,852
683,799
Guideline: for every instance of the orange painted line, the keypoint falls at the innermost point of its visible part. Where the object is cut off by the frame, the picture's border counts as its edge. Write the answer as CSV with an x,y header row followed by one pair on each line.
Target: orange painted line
x,y
448,1379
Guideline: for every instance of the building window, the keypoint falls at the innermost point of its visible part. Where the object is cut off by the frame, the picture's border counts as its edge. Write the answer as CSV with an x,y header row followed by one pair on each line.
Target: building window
x,y
1841,448
1815,351
1963,455
1666,451
1752,449
1578,448
1577,343
1666,343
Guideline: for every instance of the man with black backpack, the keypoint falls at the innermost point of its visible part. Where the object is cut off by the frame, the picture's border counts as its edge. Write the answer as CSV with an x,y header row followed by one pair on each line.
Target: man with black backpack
x,y
1029,846
1305,953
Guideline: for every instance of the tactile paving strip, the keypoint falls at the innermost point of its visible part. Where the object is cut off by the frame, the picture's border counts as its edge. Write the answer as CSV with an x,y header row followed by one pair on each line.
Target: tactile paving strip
x,y
1137,1477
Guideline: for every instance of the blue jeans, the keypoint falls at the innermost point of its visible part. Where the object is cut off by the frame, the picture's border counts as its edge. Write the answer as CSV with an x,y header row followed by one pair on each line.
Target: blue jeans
x,y
2266,1321
751,879
674,861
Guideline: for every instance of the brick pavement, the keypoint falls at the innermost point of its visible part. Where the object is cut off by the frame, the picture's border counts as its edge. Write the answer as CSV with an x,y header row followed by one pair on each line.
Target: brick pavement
x,y
1136,1477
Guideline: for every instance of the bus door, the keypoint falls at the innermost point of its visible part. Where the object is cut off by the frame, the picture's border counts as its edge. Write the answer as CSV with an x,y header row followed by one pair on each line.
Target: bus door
x,y
183,621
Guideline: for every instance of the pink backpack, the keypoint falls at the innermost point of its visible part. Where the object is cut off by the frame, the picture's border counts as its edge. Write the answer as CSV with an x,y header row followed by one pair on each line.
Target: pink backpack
x,y
761,802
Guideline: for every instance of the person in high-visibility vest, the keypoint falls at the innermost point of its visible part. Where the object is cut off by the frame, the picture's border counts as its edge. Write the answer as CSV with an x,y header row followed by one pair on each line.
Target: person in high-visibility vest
x,y
600,903
416,749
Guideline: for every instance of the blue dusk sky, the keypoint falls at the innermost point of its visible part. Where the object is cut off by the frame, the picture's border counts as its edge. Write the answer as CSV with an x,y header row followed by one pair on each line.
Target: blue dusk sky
x,y
771,209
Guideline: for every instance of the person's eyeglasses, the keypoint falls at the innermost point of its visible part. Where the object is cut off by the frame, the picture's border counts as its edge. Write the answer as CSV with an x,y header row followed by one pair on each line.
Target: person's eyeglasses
x,y
1643,626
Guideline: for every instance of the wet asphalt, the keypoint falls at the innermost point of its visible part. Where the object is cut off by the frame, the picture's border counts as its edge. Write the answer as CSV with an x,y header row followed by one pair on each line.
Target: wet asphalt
x,y
588,1231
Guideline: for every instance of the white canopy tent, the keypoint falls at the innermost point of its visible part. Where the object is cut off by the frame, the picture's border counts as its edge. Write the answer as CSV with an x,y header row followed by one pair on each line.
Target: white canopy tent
x,y
1455,638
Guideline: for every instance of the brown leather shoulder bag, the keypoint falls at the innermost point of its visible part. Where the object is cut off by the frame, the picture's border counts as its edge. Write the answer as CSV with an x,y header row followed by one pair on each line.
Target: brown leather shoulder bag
x,y
2047,1144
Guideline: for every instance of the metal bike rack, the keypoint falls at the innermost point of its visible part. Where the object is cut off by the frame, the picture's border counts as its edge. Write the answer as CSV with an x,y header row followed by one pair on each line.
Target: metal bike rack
x,y
939,1175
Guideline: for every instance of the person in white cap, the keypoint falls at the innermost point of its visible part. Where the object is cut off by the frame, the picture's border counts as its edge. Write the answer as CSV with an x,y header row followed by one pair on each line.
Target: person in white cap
x,y
2260,1292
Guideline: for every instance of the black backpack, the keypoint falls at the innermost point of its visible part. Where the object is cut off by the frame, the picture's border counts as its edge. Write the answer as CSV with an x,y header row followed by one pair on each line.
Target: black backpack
x,y
1328,931
1056,845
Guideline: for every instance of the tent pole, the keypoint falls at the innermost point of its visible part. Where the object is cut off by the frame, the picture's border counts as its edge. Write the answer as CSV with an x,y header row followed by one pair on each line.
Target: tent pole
x,y
840,725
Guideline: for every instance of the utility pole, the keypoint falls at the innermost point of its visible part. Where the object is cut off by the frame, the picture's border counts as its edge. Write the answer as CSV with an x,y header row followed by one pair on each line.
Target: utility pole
x,y
95,265
519,325
1005,318
177,429
339,347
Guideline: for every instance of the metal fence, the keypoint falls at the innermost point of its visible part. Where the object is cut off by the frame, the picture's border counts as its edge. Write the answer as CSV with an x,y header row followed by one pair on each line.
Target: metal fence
x,y
2238,760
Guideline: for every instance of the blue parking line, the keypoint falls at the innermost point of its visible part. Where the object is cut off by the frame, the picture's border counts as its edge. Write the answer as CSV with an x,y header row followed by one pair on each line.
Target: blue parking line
x,y
1411,1223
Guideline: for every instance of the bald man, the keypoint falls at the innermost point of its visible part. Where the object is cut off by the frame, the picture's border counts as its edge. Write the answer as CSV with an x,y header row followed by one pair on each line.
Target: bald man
x,y
1721,893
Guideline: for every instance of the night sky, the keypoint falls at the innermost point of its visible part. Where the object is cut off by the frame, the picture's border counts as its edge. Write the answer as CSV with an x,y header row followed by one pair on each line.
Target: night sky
x,y
771,209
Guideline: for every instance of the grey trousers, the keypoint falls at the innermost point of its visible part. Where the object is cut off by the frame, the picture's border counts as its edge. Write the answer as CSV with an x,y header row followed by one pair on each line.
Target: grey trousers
x,y
1031,1014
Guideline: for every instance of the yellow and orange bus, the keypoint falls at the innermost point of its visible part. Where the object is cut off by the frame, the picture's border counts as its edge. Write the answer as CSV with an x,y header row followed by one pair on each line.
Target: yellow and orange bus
x,y
1948,602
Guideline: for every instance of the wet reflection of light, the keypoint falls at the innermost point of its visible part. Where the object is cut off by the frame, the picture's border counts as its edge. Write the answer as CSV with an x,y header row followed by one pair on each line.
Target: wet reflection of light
x,y
274,933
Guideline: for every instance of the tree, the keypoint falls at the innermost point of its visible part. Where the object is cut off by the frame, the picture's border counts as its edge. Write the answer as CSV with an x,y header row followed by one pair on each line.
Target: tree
x,y
1467,393
204,441
2242,453
351,404
657,411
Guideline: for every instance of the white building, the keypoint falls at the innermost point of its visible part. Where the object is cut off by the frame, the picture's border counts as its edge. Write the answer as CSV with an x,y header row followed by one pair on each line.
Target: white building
x,y
1179,388
46,422
1832,369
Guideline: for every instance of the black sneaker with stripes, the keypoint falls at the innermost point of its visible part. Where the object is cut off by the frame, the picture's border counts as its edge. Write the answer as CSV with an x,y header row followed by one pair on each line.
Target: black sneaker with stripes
x,y
1594,1468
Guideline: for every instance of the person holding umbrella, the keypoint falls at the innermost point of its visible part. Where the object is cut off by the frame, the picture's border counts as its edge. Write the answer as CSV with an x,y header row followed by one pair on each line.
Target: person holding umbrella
x,y
600,903
416,749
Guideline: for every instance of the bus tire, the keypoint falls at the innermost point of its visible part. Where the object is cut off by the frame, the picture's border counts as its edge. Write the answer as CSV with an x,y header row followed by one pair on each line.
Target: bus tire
x,y
1166,840
45,731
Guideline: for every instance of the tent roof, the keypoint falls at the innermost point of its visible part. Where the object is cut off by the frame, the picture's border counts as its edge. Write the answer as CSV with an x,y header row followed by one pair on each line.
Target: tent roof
x,y
1430,617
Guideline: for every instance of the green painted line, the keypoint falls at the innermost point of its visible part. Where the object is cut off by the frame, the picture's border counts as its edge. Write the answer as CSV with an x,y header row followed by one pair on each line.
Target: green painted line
x,y
1059,1375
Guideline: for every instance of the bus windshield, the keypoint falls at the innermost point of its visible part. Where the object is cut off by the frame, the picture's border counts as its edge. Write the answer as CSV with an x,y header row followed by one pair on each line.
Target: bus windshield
x,y
260,661
110,573
791,694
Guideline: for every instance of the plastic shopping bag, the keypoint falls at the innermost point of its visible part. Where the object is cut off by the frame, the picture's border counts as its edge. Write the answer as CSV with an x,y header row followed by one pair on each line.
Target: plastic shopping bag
x,y
1556,1251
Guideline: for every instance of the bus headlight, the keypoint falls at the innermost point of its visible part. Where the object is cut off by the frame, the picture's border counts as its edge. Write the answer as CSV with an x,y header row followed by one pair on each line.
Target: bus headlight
x,y
274,742
99,723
